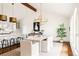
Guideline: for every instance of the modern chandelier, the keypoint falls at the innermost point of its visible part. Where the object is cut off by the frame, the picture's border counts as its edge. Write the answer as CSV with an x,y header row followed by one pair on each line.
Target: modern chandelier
x,y
3,18
40,18
12,19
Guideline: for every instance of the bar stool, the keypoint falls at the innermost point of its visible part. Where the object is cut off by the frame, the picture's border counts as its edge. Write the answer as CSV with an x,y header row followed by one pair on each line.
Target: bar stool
x,y
12,41
4,43
0,44
18,39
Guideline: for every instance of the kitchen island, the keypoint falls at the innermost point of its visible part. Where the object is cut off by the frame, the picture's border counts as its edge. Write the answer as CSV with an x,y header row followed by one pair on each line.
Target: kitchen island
x,y
31,46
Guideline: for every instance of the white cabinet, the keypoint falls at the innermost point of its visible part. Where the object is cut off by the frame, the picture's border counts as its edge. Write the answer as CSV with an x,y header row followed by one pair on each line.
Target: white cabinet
x,y
35,49
44,46
47,44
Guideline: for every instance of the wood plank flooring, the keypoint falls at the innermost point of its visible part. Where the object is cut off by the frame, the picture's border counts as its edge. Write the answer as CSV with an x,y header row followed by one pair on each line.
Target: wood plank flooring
x,y
66,49
9,48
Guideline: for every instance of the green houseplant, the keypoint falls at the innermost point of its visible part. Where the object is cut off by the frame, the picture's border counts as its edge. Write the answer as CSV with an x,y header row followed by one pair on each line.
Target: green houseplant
x,y
61,32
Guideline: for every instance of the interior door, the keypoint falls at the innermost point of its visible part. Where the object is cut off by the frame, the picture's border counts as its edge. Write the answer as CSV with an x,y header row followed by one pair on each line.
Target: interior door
x,y
74,32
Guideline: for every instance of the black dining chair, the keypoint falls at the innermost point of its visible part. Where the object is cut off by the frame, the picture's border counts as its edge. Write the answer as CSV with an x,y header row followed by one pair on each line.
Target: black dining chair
x,y
0,44
12,41
4,43
18,39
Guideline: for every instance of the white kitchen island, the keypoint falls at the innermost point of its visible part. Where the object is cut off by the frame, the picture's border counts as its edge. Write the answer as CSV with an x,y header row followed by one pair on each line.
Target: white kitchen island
x,y
32,46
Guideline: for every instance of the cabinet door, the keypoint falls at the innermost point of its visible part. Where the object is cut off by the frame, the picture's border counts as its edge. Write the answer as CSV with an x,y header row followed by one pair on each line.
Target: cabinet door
x,y
35,49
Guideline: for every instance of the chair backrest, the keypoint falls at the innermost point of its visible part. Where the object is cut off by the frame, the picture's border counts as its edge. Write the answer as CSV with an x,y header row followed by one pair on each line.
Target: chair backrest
x,y
0,44
18,39
12,41
4,43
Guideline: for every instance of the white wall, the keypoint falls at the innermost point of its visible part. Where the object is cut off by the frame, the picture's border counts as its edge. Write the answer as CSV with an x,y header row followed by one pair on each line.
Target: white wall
x,y
54,21
74,32
26,17
22,13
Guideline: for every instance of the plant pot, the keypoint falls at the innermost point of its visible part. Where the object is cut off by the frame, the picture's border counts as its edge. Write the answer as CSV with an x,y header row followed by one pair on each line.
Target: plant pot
x,y
61,41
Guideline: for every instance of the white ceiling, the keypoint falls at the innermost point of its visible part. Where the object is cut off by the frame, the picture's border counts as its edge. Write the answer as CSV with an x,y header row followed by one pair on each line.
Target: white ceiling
x,y
64,9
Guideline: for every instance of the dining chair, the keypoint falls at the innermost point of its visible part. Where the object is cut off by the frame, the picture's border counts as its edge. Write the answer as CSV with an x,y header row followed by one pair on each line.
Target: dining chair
x,y
4,43
18,39
12,41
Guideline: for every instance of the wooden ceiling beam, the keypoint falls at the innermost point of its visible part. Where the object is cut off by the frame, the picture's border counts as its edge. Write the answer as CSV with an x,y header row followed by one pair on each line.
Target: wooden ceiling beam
x,y
29,6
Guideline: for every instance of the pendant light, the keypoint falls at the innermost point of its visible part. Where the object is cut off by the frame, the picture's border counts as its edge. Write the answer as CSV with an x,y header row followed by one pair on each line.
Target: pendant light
x,y
3,17
12,19
40,18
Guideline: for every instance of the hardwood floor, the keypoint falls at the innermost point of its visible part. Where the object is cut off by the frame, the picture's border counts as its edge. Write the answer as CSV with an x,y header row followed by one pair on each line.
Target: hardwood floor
x,y
66,49
9,48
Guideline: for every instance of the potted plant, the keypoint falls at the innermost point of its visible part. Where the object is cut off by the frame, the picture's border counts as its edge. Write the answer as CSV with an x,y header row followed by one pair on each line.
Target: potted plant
x,y
61,32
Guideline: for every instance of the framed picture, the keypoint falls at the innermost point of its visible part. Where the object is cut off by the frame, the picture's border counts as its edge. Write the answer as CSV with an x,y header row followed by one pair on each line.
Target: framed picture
x,y
36,26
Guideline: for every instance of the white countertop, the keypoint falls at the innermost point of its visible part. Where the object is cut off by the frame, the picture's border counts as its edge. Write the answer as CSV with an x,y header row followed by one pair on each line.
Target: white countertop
x,y
36,38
